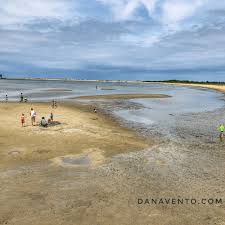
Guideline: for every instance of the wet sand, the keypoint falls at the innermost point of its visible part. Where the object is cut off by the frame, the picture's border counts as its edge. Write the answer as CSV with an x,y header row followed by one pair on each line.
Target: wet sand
x,y
122,96
58,90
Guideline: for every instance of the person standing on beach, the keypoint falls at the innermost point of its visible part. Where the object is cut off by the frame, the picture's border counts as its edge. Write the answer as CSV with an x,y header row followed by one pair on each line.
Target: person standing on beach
x,y
33,116
6,98
21,97
23,120
51,117
221,129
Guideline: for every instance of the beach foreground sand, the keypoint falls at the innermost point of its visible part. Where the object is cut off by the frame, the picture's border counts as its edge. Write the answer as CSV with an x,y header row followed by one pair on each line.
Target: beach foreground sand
x,y
71,173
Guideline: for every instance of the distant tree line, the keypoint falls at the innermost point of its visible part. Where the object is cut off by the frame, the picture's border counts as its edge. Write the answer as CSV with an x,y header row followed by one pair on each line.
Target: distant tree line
x,y
188,81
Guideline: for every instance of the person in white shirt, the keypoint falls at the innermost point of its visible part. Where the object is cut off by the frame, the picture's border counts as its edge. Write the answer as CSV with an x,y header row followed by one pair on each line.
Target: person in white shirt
x,y
33,116
43,122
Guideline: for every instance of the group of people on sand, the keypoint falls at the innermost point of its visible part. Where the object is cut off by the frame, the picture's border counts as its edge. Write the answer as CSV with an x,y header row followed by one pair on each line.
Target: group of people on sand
x,y
33,115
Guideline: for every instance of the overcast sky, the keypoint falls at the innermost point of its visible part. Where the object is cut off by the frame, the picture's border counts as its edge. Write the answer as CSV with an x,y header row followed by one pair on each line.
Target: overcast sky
x,y
113,39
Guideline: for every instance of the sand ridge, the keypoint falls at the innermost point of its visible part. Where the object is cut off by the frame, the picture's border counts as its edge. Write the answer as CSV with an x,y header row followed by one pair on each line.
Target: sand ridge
x,y
122,96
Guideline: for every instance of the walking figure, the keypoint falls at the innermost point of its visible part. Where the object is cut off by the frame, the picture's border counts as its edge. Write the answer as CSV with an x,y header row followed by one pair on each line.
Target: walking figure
x,y
6,98
21,97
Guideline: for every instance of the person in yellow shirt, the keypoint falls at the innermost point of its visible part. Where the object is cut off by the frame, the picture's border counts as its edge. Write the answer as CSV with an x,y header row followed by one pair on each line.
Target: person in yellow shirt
x,y
221,130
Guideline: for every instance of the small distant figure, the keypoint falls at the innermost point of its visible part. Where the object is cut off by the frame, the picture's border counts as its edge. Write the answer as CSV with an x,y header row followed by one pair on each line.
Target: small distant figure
x,y
25,100
54,104
96,87
51,116
33,116
21,97
6,98
23,120
221,130
43,122
50,119
95,110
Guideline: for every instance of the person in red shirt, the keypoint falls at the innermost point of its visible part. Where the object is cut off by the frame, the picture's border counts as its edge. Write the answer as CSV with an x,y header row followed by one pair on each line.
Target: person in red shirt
x,y
23,120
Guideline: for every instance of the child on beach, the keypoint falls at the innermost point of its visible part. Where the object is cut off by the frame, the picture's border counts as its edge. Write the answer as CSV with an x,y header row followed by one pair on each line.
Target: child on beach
x,y
50,119
51,116
23,120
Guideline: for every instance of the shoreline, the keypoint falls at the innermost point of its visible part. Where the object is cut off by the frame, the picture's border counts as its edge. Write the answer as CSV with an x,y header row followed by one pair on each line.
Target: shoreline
x,y
75,80
215,87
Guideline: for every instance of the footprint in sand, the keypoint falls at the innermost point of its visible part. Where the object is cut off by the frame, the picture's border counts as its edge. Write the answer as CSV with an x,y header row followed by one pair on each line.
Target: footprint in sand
x,y
16,152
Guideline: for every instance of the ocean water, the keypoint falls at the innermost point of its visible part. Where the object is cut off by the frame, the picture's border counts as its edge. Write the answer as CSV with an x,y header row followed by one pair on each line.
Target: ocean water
x,y
183,99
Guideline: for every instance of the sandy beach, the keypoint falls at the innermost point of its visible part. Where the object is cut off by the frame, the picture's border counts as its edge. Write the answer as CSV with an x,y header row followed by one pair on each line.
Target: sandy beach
x,y
91,168
77,129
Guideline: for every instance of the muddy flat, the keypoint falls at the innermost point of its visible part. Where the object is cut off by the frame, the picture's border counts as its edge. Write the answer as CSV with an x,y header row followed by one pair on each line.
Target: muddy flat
x,y
57,90
123,96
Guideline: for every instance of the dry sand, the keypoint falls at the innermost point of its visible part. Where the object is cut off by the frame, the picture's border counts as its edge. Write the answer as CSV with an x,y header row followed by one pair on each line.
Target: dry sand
x,y
78,130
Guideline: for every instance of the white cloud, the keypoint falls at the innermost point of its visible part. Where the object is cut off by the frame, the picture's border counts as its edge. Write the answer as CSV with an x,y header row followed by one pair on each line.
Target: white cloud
x,y
19,12
124,9
174,11
124,41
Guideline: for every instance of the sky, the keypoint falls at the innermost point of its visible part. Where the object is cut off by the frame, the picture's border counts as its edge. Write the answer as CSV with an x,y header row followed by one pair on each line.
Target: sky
x,y
113,39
